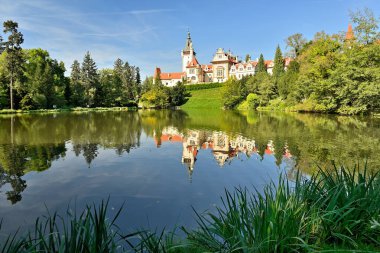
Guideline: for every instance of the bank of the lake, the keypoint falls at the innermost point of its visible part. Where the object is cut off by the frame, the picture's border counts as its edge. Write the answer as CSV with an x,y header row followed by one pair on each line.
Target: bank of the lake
x,y
73,109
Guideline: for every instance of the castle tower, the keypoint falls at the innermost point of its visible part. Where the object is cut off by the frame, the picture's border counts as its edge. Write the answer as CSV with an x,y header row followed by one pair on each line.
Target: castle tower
x,y
350,33
187,53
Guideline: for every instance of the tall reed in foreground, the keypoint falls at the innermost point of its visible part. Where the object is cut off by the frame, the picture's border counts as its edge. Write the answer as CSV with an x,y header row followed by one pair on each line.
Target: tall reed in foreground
x,y
335,209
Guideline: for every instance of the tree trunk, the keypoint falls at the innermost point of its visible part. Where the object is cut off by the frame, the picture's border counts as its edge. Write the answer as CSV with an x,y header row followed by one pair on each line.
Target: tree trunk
x,y
11,90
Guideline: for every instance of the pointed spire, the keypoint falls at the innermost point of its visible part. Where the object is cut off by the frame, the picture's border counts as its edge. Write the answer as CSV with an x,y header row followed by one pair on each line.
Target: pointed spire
x,y
350,33
189,43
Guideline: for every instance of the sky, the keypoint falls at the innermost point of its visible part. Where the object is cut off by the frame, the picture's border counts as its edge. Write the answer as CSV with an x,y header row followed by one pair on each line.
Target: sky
x,y
150,33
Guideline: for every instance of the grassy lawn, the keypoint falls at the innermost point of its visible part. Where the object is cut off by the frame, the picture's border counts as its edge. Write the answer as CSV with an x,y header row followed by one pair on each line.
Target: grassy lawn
x,y
206,98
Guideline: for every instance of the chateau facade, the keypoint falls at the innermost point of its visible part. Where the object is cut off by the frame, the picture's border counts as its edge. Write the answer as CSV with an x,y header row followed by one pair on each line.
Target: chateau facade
x,y
223,66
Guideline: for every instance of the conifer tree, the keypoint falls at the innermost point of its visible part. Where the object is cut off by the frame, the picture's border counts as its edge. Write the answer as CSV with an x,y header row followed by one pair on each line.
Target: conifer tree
x,y
138,80
118,72
261,65
278,68
90,79
77,90
14,54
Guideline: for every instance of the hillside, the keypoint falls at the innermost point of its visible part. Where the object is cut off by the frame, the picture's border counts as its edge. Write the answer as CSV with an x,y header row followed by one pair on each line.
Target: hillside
x,y
204,99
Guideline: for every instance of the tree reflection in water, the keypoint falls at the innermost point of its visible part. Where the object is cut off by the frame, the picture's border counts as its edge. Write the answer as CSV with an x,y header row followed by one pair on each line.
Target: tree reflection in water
x,y
296,141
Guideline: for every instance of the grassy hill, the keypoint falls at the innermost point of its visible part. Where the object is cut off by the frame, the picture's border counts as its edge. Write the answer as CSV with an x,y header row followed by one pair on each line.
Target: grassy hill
x,y
204,99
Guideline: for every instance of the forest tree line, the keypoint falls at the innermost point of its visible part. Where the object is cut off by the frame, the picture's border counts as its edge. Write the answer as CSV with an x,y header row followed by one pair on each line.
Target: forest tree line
x,y
30,79
330,73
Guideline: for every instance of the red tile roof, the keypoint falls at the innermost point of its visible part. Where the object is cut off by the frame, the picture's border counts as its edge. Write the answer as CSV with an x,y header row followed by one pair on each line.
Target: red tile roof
x,y
208,67
194,63
172,75
350,33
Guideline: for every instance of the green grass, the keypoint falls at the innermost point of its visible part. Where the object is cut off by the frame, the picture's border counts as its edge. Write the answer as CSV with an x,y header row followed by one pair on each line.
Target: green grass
x,y
206,98
336,210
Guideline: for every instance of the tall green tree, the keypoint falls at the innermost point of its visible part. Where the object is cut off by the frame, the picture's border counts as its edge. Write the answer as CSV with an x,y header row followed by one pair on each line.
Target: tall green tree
x,y
14,54
118,73
38,87
295,42
261,65
278,68
90,80
77,90
138,81
366,26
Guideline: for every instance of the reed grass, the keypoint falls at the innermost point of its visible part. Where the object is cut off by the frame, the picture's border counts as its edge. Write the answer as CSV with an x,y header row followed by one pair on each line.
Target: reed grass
x,y
335,210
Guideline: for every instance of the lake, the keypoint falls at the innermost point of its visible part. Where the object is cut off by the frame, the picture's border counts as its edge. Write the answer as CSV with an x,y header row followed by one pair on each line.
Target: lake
x,y
160,164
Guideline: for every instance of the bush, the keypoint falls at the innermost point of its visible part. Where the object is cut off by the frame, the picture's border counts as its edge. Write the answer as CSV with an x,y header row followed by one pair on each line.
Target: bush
x,y
203,86
253,101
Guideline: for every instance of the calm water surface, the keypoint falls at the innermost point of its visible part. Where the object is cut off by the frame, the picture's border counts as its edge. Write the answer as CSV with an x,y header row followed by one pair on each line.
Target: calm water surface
x,y
161,163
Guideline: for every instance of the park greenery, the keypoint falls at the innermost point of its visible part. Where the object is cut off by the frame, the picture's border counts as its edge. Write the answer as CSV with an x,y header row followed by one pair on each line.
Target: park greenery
x,y
335,210
31,80
329,74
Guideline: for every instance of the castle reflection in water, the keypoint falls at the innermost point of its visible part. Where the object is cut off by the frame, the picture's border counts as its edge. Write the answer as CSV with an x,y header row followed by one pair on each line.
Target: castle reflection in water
x,y
224,147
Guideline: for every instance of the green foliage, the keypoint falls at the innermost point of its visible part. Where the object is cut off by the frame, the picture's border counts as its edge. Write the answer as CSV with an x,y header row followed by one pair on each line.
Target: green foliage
x,y
278,68
296,43
89,80
366,29
77,90
179,94
253,101
156,97
231,93
261,65
14,57
203,86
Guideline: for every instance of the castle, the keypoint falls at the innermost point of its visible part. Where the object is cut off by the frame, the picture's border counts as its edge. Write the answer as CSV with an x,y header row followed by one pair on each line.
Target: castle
x,y
223,66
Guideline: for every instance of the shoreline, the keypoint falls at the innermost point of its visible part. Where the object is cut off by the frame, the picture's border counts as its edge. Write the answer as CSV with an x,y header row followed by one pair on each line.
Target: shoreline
x,y
74,109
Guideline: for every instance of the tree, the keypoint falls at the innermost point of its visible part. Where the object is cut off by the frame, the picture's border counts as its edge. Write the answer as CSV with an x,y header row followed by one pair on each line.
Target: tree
x,y
266,88
90,79
296,42
278,68
231,93
356,79
38,87
178,94
138,81
261,65
366,26
317,62
118,73
14,54
147,84
107,87
286,84
77,91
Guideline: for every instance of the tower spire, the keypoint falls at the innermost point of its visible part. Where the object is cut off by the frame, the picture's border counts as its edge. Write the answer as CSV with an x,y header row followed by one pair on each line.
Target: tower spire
x,y
189,43
350,33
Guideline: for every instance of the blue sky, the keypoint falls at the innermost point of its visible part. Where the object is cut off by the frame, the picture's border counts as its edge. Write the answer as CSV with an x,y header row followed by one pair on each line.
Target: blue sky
x,y
150,33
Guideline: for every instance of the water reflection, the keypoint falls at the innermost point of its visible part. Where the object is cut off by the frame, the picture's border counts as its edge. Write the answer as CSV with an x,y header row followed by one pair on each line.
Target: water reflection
x,y
289,141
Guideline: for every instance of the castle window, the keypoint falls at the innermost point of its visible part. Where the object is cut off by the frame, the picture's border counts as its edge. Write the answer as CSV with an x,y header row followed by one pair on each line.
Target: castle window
x,y
241,69
220,56
249,68
191,71
220,72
